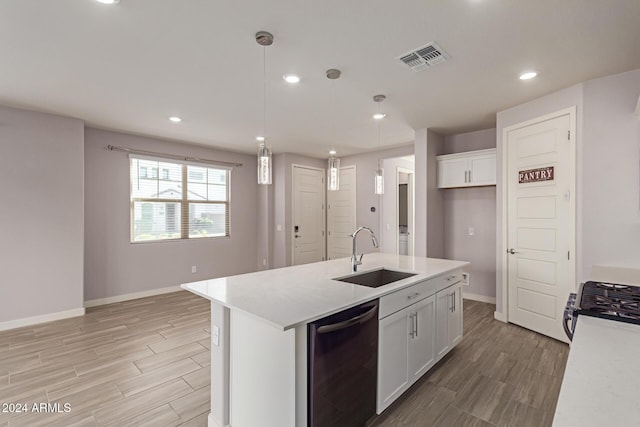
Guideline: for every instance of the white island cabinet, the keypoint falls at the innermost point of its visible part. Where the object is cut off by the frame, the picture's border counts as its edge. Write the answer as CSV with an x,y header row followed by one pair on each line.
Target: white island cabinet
x,y
449,316
259,330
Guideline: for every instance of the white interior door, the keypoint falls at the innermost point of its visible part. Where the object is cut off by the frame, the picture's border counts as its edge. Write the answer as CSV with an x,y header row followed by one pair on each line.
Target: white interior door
x,y
308,215
341,215
541,223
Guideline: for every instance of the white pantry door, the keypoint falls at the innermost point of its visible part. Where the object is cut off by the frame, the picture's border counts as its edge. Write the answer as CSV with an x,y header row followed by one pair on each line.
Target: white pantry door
x,y
341,215
308,215
541,223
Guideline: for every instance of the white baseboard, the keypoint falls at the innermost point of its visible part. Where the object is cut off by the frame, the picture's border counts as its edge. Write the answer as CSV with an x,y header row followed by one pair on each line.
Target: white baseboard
x,y
212,422
29,321
500,316
134,295
480,298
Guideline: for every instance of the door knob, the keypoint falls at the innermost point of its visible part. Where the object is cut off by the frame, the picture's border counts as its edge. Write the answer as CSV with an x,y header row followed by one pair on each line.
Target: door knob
x,y
512,251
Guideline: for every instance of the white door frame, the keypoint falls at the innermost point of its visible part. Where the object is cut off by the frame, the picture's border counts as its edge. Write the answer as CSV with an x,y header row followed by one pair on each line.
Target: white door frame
x,y
410,209
293,205
571,111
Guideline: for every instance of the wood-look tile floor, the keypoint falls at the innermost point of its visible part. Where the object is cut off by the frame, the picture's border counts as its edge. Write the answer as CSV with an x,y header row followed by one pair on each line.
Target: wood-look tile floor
x,y
140,362
499,375
147,362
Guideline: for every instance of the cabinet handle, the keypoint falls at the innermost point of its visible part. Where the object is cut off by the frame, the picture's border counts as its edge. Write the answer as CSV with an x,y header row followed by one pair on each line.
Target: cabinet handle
x,y
411,331
465,176
469,176
452,302
416,320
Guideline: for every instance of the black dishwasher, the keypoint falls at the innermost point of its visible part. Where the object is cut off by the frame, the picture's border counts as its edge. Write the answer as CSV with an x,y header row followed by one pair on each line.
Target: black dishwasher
x,y
342,367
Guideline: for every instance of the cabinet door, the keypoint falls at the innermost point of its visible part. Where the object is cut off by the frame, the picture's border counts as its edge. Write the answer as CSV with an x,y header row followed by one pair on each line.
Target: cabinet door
x,y
452,173
482,170
393,377
443,309
455,315
421,316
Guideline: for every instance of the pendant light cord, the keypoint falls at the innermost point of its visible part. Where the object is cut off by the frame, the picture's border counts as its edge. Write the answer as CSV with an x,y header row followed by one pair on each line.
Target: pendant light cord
x,y
379,137
264,93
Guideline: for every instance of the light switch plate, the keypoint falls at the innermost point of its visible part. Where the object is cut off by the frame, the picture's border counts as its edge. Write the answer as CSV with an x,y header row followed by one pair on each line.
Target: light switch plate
x,y
215,336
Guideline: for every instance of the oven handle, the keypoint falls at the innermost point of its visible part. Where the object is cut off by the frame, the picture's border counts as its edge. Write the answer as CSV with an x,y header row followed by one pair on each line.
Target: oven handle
x,y
362,318
565,324
567,320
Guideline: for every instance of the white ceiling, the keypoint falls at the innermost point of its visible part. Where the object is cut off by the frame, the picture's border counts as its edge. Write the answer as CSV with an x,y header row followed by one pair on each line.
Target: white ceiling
x,y
130,66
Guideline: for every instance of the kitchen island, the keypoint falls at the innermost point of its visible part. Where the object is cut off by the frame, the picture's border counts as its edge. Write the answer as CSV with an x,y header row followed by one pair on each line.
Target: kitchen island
x,y
259,330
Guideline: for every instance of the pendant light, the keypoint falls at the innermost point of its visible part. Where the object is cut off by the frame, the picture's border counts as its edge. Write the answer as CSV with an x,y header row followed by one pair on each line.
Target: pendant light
x,y
379,176
264,39
333,164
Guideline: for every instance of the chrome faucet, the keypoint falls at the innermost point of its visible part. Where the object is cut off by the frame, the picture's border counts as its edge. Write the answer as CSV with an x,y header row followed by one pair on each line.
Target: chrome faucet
x,y
355,261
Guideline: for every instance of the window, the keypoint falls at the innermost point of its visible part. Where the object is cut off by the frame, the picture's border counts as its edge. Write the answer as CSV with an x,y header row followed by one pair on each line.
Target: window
x,y
184,201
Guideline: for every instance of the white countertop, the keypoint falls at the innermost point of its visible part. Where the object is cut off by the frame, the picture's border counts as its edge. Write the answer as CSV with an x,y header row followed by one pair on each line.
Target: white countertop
x,y
292,296
600,384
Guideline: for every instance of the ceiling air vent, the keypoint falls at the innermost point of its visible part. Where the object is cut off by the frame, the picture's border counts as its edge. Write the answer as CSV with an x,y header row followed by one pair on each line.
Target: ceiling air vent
x,y
424,57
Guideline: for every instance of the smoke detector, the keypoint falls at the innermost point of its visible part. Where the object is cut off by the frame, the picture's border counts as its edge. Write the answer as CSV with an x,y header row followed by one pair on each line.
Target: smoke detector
x,y
423,57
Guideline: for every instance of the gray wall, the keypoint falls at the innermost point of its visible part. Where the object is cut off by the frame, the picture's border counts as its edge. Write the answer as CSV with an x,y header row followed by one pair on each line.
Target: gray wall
x,y
435,198
114,266
366,165
472,207
41,170
610,201
429,215
470,141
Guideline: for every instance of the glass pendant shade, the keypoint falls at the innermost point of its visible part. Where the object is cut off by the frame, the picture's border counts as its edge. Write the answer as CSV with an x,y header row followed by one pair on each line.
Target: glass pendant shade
x,y
379,183
333,174
264,165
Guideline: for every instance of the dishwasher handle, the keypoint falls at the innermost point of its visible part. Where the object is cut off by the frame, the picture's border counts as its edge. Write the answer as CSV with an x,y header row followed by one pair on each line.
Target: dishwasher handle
x,y
362,318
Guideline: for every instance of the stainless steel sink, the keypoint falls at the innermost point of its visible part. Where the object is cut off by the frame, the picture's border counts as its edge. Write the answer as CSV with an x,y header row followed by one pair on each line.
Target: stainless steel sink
x,y
375,278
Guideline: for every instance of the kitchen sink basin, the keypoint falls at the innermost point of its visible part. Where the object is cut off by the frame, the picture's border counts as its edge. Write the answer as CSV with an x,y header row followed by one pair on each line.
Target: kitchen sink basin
x,y
375,278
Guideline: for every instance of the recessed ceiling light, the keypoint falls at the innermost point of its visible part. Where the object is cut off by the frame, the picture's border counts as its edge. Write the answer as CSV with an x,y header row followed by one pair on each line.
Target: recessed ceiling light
x,y
528,75
332,152
259,138
379,116
108,1
175,119
291,78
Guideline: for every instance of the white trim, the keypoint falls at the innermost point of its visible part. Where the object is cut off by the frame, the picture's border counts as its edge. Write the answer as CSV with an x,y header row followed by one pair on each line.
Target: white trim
x,y
571,112
211,422
465,154
29,321
480,298
502,317
134,295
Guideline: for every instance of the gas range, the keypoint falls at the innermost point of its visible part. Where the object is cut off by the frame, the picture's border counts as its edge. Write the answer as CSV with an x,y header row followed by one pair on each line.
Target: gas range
x,y
612,301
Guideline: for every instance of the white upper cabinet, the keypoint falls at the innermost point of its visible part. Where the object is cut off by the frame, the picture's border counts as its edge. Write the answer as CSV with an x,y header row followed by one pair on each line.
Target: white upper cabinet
x,y
469,169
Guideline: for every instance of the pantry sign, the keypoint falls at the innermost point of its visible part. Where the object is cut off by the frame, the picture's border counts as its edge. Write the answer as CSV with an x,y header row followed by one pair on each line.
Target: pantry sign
x,y
535,175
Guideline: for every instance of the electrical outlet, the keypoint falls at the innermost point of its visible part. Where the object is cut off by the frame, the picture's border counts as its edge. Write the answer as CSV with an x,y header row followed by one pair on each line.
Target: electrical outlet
x,y
278,227
194,269
465,278
471,231
264,261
